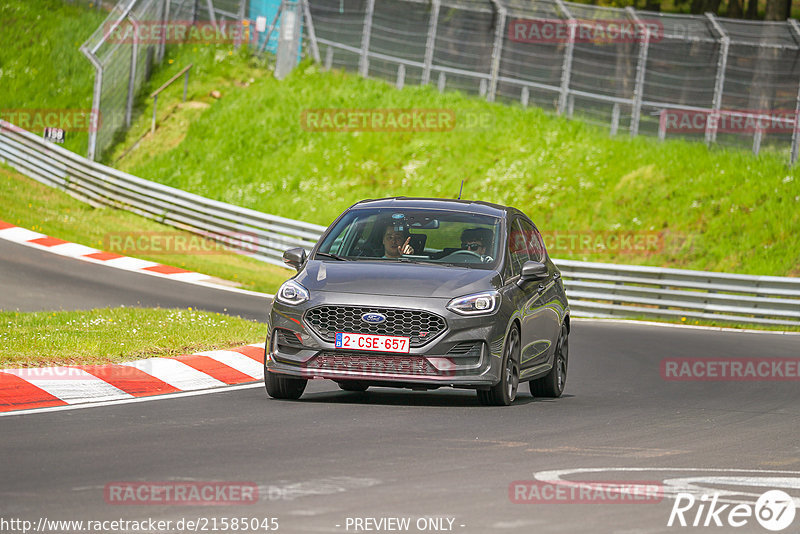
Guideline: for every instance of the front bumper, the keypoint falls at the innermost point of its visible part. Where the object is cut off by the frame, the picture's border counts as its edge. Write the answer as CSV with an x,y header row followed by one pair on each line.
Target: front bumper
x,y
466,354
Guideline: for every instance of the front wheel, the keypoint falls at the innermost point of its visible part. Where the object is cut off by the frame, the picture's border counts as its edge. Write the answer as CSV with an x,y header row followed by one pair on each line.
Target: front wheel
x,y
284,387
552,384
505,391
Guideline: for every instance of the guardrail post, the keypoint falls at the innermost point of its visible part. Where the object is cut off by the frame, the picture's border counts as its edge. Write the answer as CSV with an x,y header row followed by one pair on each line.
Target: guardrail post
x,y
757,139
363,62
442,82
430,43
566,66
719,82
524,96
328,58
662,125
132,70
497,50
401,76
641,68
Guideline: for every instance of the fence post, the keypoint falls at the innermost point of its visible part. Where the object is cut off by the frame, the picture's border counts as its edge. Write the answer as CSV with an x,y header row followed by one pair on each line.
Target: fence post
x,y
641,68
132,70
615,119
329,57
442,82
401,76
212,14
430,43
164,23
96,93
497,50
524,96
363,62
719,83
312,34
796,129
566,66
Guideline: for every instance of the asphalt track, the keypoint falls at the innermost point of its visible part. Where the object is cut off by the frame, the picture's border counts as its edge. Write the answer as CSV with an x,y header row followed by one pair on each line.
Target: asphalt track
x,y
335,455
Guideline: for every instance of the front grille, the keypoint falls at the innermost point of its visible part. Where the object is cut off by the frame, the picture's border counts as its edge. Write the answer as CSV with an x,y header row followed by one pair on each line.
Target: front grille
x,y
371,364
420,326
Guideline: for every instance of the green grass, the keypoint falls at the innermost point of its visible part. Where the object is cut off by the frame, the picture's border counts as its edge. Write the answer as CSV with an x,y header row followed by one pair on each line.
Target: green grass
x,y
29,204
41,67
719,210
111,335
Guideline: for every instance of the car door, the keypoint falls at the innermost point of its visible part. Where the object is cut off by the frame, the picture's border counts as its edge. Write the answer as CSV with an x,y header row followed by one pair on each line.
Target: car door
x,y
533,340
552,307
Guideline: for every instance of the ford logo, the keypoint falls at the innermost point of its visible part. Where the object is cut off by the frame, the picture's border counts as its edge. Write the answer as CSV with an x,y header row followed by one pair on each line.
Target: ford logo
x,y
373,318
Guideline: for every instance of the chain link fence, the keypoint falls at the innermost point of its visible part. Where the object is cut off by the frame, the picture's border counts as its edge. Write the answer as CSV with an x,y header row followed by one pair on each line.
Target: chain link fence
x,y
703,78
124,49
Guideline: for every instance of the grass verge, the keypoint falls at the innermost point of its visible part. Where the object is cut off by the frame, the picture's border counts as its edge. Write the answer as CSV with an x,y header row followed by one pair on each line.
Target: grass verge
x,y
27,203
111,335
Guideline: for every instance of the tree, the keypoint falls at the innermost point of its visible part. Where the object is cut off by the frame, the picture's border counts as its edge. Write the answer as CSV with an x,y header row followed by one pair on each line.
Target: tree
x,y
735,9
777,10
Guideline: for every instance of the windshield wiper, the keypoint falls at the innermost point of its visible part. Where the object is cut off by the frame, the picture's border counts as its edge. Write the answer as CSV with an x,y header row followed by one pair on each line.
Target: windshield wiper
x,y
332,256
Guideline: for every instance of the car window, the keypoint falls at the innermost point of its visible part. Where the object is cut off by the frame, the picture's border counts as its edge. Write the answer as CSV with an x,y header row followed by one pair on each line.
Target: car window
x,y
421,235
517,249
533,240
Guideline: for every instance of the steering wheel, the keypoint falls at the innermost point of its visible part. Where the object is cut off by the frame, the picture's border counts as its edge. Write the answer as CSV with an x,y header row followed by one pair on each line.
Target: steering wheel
x,y
466,254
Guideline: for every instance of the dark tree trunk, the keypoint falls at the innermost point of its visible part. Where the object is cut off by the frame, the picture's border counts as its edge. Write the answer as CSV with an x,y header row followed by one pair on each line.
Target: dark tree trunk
x,y
704,6
652,5
735,9
776,10
752,9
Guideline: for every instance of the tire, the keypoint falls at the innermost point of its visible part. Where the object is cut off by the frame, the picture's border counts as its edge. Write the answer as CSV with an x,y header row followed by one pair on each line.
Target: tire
x,y
552,384
353,386
284,387
505,391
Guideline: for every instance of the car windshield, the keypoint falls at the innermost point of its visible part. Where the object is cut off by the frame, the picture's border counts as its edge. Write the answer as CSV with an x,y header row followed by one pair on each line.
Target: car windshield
x,y
414,236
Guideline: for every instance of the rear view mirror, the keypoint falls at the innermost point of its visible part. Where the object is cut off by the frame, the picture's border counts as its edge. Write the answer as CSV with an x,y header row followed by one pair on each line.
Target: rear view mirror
x,y
295,257
533,271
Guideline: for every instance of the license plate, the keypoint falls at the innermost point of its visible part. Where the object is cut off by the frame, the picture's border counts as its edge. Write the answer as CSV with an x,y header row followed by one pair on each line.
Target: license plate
x,y
345,340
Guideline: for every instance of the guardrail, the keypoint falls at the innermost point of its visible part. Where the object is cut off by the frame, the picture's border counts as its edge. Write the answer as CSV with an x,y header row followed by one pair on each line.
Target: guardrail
x,y
594,289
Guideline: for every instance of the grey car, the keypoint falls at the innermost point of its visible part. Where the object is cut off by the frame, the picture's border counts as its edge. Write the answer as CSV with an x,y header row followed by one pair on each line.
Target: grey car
x,y
422,293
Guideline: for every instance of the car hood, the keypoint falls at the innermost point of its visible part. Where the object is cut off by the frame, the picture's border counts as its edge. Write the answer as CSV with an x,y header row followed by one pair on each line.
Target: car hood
x,y
396,279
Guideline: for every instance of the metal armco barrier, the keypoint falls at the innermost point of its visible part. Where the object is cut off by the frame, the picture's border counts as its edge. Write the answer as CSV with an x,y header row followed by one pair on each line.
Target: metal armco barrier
x,y
594,289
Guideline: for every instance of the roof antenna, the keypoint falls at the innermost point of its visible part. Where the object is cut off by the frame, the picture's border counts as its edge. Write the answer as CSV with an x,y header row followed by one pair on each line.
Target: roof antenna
x,y
460,190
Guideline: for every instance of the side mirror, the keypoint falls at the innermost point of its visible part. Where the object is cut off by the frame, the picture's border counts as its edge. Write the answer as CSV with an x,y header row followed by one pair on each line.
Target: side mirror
x,y
295,257
533,271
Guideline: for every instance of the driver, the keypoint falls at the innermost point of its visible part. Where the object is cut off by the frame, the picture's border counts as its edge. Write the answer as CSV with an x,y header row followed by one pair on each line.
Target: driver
x,y
396,243
476,240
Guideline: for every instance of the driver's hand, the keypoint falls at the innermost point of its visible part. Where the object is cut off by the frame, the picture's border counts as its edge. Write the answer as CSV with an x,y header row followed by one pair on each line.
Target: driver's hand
x,y
407,248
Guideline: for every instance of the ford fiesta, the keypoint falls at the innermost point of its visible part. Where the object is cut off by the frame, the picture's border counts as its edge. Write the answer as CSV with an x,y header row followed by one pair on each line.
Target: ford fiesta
x,y
420,294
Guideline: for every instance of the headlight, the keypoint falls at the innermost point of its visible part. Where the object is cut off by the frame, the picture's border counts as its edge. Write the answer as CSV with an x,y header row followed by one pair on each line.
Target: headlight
x,y
292,293
477,304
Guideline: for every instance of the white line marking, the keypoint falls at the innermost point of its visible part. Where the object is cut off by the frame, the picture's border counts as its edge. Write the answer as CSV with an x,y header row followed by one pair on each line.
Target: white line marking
x,y
72,250
130,264
19,234
238,361
175,373
166,396
71,385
